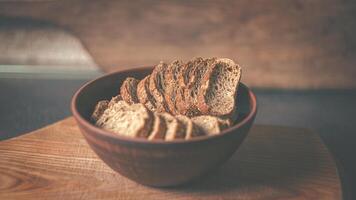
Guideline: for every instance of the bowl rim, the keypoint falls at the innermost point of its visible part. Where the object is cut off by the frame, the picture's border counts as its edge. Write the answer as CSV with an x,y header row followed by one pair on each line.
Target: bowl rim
x,y
115,136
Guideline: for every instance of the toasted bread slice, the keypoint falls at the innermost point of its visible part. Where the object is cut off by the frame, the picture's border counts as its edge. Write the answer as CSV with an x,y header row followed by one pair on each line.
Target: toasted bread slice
x,y
175,129
133,120
211,125
173,72
157,86
185,101
218,91
159,128
128,90
188,75
192,86
143,94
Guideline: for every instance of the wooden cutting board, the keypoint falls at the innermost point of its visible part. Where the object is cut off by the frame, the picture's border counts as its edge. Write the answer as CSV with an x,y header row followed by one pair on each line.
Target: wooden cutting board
x,y
273,163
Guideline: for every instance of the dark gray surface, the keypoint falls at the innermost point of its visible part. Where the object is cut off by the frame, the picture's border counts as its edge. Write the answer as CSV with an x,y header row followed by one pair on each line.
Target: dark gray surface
x,y
330,113
28,104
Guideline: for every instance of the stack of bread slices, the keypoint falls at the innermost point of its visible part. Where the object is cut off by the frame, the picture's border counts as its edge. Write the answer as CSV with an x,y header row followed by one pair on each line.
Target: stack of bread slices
x,y
176,101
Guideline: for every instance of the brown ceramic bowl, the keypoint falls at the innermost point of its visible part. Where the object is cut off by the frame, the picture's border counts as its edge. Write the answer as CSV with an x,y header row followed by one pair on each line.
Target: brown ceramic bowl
x,y
157,163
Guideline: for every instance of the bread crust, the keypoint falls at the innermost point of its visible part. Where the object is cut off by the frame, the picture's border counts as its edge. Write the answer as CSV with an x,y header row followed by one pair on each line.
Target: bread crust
x,y
143,94
99,109
184,103
173,88
128,90
157,86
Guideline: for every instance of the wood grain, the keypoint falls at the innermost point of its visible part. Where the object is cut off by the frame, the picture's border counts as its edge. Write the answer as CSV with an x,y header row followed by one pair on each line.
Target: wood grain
x,y
273,163
281,44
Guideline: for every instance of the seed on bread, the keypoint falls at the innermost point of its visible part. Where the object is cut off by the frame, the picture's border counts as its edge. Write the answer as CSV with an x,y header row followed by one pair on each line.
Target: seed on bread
x,y
133,120
128,90
217,94
211,125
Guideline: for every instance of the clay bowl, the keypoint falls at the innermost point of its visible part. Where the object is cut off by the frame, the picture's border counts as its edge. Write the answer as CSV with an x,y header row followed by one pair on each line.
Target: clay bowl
x,y
157,163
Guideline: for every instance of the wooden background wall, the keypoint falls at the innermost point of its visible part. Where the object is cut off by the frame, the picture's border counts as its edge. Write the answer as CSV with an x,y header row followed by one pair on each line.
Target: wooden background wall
x,y
284,44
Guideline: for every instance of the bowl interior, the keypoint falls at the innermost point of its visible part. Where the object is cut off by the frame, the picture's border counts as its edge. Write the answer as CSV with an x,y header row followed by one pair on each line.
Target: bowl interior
x,y
105,87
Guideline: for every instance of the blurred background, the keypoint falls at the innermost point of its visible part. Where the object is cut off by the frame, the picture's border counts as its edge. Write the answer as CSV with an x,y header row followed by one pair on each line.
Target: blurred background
x,y
298,55
284,44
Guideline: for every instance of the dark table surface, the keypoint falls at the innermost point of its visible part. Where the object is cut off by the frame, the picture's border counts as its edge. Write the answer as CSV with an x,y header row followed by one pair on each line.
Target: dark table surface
x,y
27,104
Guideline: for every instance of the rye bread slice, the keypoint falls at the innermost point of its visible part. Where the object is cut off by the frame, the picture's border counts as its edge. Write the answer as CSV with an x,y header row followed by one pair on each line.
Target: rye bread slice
x,y
159,128
174,91
191,130
133,120
211,125
143,94
184,102
188,76
195,71
128,90
218,91
99,109
175,129
157,86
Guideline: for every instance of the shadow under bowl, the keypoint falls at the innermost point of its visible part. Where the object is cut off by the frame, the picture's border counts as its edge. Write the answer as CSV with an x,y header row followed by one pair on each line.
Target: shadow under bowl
x,y
157,163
